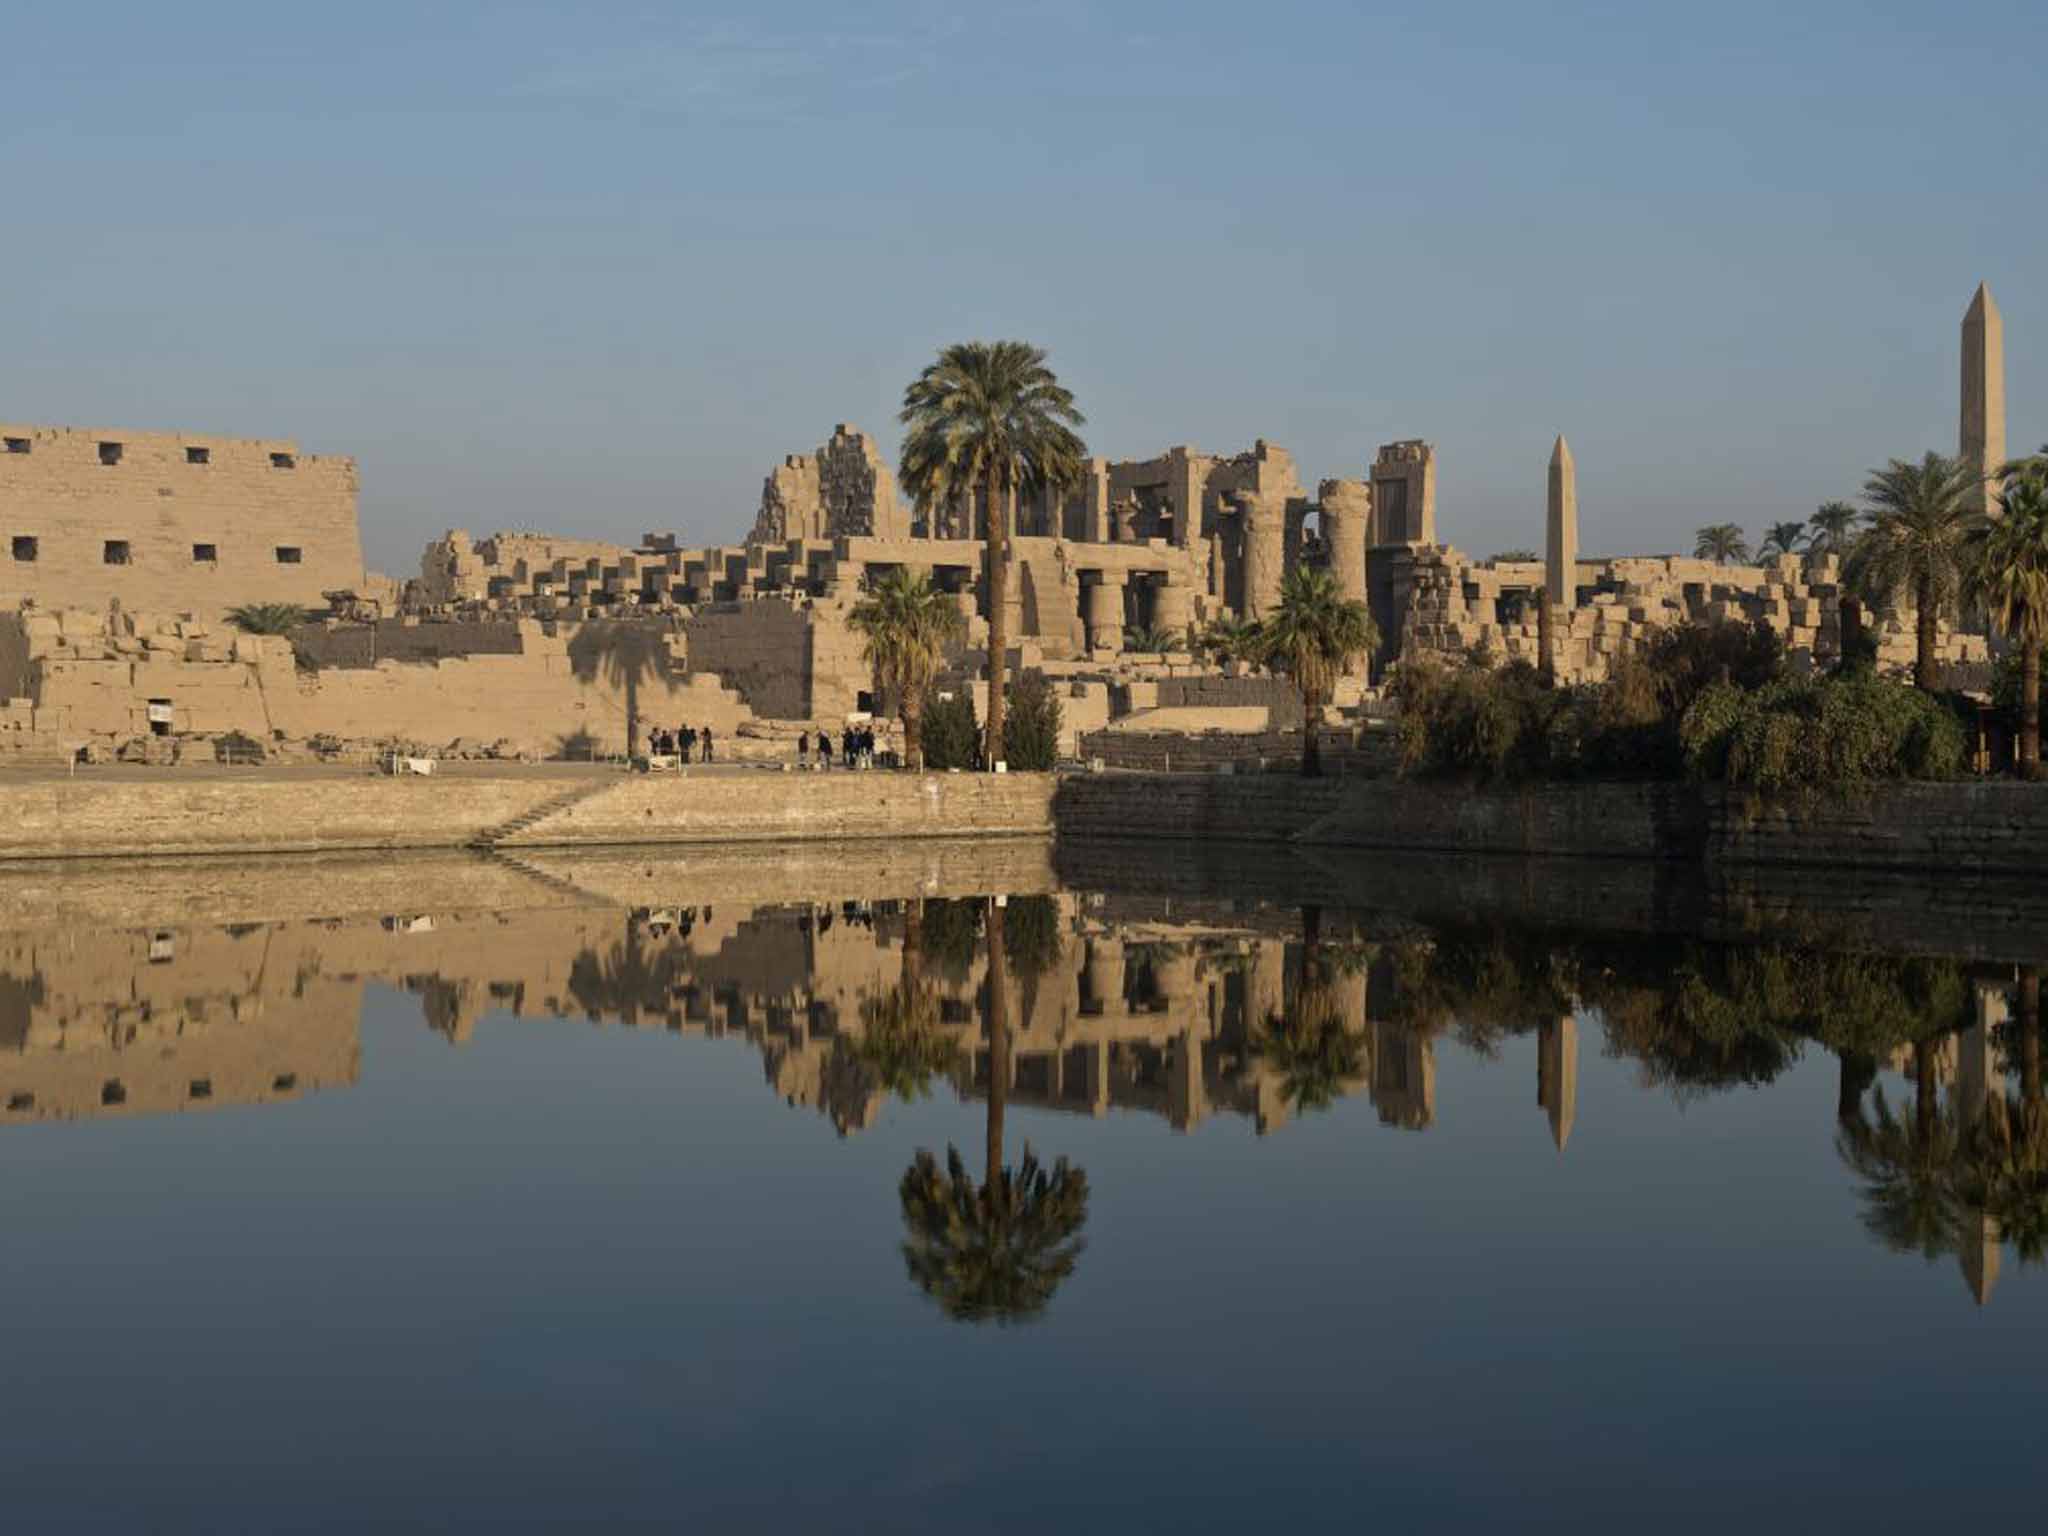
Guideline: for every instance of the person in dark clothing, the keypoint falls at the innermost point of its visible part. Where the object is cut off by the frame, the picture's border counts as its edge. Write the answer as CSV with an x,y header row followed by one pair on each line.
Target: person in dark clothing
x,y
686,742
707,743
825,750
803,749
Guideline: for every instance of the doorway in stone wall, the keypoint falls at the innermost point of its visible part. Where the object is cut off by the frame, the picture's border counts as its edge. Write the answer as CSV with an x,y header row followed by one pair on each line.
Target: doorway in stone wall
x,y
160,717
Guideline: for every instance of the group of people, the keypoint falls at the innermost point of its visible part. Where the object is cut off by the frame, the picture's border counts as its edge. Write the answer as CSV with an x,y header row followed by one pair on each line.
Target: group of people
x,y
685,742
856,748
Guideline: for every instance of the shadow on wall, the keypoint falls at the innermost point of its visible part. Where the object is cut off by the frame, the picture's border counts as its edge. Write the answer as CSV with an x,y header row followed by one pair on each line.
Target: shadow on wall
x,y
625,656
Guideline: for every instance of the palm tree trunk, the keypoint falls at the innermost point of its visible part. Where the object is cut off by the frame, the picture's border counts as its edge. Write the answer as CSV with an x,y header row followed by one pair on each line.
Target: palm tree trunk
x,y
998,1042
911,710
913,944
1926,671
1854,1075
1923,1090
2030,703
1311,738
2030,1035
632,710
998,615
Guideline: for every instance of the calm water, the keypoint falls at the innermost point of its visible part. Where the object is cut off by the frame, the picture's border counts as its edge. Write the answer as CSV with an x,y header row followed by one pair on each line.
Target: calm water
x,y
593,1212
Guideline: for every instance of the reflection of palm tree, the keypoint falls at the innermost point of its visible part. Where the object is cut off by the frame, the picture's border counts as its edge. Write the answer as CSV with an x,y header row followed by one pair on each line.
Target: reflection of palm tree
x,y
993,1252
618,983
625,655
901,1041
1317,1051
1908,1204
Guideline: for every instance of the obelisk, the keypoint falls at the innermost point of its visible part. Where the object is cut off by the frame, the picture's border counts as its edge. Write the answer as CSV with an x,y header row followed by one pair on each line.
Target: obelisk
x,y
1983,433
1561,542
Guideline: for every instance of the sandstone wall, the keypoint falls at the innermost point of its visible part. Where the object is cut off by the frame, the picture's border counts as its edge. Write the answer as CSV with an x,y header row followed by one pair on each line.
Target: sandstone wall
x,y
107,813
246,502
762,649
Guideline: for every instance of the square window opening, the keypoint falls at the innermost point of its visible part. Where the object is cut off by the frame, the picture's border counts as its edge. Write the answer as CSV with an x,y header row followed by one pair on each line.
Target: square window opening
x,y
201,1088
113,1091
289,554
284,461
110,453
198,455
116,552
206,554
17,445
25,547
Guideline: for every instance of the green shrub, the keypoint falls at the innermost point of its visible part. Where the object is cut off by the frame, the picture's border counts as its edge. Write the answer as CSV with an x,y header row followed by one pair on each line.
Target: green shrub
x,y
1031,728
1474,722
951,734
1821,735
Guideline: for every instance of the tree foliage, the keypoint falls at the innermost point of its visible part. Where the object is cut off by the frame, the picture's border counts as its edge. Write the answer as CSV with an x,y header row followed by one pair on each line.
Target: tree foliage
x,y
906,626
1923,523
268,618
1031,730
1315,635
1721,543
949,732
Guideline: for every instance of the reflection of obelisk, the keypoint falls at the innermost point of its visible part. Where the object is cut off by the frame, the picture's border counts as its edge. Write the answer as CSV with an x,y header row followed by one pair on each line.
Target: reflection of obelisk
x,y
1983,425
1557,1075
1977,1249
1561,534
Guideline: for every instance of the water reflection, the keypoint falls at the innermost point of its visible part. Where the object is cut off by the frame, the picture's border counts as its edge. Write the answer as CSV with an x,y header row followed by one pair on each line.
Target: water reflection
x,y
1085,1003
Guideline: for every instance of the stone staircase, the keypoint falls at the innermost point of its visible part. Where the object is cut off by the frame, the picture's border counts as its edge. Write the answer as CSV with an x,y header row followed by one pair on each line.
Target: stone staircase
x,y
489,838
577,894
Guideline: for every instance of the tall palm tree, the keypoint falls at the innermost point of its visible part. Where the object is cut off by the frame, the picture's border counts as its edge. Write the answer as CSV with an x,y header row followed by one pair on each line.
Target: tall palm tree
x,y
1909,1201
990,416
1922,521
1782,539
993,1252
1720,543
1834,528
2007,575
1316,635
906,625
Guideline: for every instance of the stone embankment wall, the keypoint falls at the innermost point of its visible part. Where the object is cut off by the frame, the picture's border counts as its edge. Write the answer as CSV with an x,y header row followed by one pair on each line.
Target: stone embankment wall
x,y
1345,752
104,815
1949,827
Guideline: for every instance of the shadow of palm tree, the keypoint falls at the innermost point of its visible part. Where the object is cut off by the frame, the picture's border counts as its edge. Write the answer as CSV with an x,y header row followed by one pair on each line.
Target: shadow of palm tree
x,y
626,655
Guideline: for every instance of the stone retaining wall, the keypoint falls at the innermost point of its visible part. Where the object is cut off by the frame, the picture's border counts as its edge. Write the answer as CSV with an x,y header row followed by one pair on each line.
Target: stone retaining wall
x,y
1973,827
104,815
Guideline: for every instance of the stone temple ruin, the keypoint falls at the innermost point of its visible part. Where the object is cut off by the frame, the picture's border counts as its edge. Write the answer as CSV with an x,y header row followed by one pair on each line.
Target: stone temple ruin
x,y
128,549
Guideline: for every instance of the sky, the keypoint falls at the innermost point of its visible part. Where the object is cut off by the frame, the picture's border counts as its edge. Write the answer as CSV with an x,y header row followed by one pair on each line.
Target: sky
x,y
597,268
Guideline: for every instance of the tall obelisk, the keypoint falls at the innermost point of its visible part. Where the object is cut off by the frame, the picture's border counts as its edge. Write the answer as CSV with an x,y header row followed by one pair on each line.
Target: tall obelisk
x,y
1561,536
1983,434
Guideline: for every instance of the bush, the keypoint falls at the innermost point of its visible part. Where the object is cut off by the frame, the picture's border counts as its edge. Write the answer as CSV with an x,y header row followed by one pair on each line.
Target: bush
x,y
951,734
1031,728
1474,722
1819,735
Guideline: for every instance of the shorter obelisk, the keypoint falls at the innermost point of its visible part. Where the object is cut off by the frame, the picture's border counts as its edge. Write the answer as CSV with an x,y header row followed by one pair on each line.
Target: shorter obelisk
x,y
1561,541
1983,425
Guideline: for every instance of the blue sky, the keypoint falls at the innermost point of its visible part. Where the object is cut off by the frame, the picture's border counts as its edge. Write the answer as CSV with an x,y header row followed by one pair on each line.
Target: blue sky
x,y
596,268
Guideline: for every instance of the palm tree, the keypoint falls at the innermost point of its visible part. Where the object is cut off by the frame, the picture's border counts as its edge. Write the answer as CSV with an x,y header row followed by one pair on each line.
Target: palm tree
x,y
1720,543
624,654
996,1251
989,416
1316,635
1922,521
267,618
906,624
1149,639
2007,575
1231,639
1782,539
1833,525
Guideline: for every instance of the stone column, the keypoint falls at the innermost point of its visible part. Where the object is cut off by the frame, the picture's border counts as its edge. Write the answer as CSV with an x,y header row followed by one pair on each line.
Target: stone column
x,y
1561,545
1102,608
1265,553
1347,525
1983,419
1172,605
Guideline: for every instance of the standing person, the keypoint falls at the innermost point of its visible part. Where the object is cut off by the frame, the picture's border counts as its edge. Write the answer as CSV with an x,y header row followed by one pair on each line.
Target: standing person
x,y
803,749
825,750
686,742
707,743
